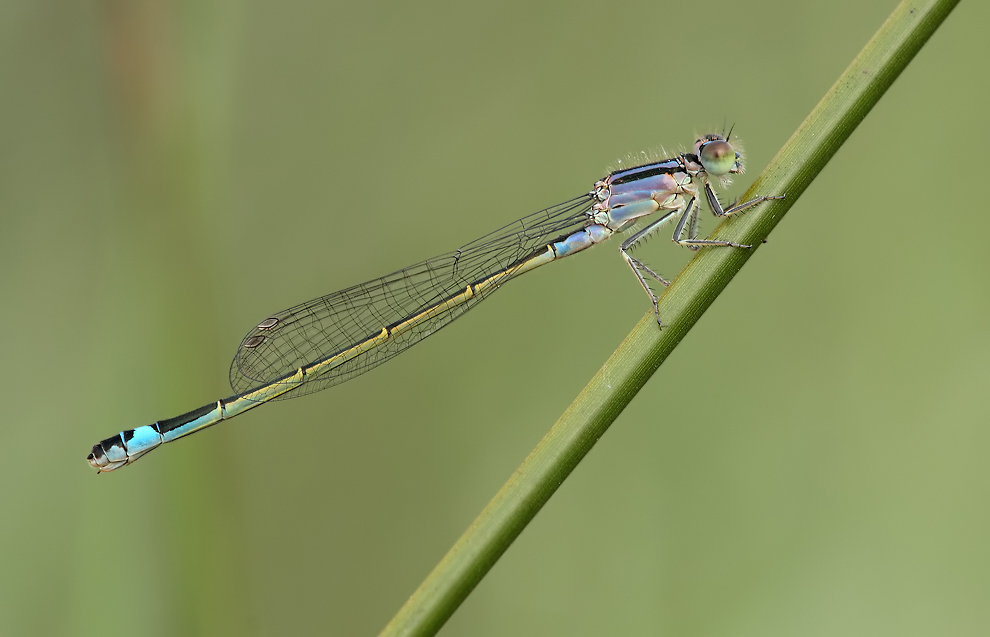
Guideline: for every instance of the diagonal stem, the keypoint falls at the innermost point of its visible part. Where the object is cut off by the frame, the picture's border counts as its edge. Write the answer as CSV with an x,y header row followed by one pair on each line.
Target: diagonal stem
x,y
800,160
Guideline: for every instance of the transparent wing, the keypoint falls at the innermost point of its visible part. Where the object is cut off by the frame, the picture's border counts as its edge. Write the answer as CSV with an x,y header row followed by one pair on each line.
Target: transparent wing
x,y
321,328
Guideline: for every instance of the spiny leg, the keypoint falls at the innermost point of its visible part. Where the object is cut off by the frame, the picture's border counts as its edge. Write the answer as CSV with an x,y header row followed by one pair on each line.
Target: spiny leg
x,y
692,212
693,227
638,267
716,207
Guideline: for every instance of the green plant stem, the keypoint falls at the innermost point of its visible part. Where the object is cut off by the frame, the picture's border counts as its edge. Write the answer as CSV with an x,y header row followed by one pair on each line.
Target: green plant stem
x,y
645,348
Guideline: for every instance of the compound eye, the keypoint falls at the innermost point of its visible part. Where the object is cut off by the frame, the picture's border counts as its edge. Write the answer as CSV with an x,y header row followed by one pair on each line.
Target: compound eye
x,y
718,157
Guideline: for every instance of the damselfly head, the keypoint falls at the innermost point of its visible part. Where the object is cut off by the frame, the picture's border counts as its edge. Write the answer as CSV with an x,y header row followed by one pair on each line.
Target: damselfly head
x,y
718,156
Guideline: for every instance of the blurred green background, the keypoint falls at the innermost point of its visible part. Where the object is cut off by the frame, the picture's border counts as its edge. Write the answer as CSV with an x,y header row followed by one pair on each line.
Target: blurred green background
x,y
810,461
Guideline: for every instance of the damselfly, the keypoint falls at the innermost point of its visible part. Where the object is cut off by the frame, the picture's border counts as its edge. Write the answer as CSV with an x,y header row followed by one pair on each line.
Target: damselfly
x,y
334,338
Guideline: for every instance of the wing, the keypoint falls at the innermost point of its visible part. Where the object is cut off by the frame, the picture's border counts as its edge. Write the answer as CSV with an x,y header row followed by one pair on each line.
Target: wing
x,y
321,328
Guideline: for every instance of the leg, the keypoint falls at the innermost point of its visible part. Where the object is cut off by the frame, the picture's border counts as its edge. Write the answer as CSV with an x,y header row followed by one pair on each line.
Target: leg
x,y
693,228
692,212
638,267
717,207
